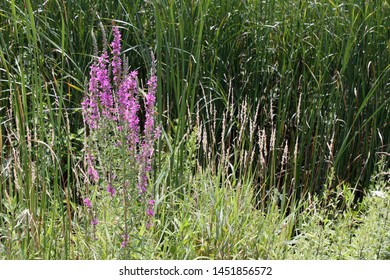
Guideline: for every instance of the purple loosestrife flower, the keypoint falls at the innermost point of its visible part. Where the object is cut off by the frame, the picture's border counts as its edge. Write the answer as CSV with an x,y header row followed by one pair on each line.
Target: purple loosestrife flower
x,y
111,190
87,203
94,221
128,108
112,105
91,112
105,91
125,239
150,213
149,133
93,174
116,60
91,169
150,105
90,104
150,210
143,181
99,91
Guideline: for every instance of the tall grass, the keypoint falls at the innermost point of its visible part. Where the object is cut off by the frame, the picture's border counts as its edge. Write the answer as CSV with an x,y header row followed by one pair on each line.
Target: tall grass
x,y
283,100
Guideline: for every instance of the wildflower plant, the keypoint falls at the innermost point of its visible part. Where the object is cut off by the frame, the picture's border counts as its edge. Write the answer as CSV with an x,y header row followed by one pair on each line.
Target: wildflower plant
x,y
119,146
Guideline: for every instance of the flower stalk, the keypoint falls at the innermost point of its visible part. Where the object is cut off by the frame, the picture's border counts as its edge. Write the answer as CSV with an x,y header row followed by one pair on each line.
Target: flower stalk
x,y
112,112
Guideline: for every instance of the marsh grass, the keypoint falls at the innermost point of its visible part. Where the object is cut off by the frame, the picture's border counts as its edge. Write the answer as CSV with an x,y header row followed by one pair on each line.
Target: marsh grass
x,y
273,114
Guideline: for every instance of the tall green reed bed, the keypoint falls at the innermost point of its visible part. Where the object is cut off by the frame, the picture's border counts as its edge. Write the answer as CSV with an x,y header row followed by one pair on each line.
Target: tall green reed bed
x,y
262,105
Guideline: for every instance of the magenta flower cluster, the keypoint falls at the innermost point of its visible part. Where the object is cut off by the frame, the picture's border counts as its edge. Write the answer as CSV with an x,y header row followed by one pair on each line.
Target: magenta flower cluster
x,y
114,96
87,203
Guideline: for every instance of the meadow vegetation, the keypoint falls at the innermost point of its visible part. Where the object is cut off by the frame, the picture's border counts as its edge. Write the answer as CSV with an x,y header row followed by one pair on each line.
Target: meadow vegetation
x,y
261,129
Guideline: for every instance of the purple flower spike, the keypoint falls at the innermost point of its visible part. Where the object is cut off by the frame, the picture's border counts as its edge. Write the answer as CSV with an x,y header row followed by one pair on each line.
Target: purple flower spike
x,y
93,173
104,87
150,212
91,111
111,190
125,240
116,60
147,150
128,108
112,109
95,221
87,203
